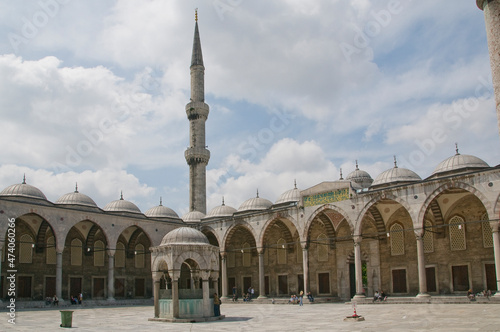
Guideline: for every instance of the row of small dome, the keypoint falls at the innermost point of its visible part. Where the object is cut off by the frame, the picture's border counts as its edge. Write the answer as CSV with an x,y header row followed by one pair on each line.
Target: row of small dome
x,y
359,180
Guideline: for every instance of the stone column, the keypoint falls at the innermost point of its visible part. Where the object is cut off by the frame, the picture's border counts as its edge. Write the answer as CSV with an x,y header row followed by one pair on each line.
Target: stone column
x,y
224,275
111,275
156,292
358,265
262,282
496,249
206,298
175,296
491,10
59,256
305,269
422,278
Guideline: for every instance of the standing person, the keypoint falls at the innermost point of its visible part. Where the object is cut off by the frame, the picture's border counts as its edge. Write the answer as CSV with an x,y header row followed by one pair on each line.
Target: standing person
x,y
216,305
80,298
301,296
234,293
251,292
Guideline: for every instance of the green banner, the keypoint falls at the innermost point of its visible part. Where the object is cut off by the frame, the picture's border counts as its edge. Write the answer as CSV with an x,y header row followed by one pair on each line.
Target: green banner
x,y
329,197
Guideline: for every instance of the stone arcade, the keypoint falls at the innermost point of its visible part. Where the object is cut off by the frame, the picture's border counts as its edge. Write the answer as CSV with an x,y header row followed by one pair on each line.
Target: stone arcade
x,y
401,233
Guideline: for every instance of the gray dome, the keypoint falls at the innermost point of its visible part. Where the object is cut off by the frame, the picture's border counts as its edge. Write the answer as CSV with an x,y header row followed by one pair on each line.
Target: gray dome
x,y
292,195
122,205
394,176
221,211
76,198
161,211
360,177
184,235
256,203
459,162
193,217
23,190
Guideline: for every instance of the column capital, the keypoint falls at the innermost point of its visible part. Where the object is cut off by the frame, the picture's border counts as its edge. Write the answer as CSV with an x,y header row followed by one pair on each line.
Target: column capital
x,y
357,239
157,276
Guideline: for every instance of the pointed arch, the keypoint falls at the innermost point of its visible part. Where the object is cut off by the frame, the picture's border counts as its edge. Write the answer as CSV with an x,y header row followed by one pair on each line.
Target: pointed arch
x,y
454,185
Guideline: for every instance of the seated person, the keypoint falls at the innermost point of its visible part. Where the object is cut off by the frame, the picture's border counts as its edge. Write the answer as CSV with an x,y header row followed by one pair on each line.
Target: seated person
x,y
48,300
55,300
383,296
73,300
376,296
310,297
470,295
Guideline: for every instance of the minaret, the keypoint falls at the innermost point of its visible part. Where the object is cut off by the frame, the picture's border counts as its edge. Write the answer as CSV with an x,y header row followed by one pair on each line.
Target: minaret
x,y
197,155
491,10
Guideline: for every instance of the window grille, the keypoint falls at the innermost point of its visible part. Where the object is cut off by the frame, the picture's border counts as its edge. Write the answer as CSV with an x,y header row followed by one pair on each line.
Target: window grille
x,y
50,251
487,232
457,233
428,238
26,249
76,252
397,240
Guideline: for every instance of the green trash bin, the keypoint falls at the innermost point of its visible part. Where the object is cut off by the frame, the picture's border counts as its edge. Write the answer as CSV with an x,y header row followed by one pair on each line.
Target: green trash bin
x,y
66,318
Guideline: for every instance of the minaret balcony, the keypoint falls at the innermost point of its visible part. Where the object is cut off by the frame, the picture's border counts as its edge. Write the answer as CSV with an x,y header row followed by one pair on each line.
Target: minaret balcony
x,y
196,155
196,110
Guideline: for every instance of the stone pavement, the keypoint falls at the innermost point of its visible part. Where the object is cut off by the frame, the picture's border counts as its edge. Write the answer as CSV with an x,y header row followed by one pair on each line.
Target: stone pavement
x,y
269,317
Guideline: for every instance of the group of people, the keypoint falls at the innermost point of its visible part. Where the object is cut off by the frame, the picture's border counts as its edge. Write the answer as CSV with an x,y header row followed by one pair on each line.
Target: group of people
x,y
471,296
77,300
382,296
52,300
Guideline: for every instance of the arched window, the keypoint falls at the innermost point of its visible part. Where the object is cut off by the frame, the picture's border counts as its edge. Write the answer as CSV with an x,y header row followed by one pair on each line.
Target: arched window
x,y
281,251
99,252
298,249
322,247
247,255
120,255
26,249
457,233
76,252
428,238
487,232
50,251
139,256
397,240
231,258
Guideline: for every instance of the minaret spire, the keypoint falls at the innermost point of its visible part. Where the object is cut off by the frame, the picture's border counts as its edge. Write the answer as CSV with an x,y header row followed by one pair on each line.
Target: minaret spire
x,y
197,154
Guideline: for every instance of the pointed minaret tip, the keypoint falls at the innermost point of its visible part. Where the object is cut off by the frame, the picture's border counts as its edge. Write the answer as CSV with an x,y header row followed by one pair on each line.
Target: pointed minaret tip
x,y
197,57
196,15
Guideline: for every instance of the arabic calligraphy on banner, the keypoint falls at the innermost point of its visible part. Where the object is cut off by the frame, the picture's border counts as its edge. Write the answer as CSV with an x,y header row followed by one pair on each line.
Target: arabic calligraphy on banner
x,y
329,197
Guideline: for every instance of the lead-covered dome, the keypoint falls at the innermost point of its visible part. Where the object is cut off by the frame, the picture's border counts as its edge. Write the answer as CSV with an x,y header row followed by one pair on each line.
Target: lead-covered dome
x,y
184,235
292,195
255,203
221,211
459,163
394,176
161,211
76,198
360,177
193,217
122,205
23,190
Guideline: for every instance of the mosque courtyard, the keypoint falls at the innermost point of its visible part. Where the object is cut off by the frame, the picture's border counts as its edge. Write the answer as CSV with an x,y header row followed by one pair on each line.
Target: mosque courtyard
x,y
278,317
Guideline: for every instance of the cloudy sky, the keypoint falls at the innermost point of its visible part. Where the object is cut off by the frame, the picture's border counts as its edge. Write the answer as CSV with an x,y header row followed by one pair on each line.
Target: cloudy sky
x,y
94,92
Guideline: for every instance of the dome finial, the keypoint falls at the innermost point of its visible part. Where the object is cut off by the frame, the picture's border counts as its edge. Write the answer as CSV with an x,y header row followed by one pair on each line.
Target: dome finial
x,y
196,15
341,178
76,187
223,201
257,192
160,201
357,168
456,149
395,162
121,195
24,178
294,183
